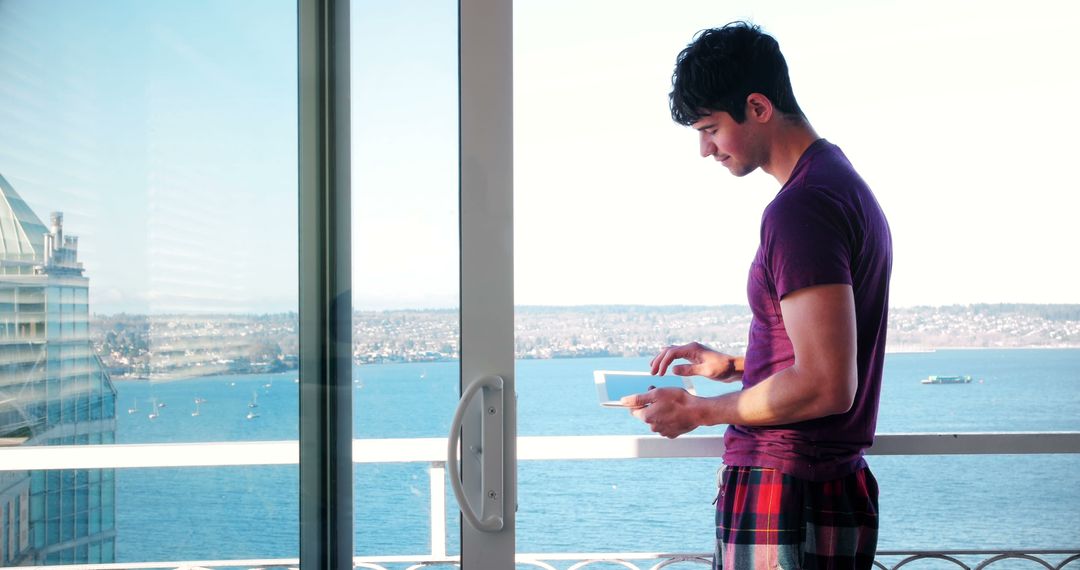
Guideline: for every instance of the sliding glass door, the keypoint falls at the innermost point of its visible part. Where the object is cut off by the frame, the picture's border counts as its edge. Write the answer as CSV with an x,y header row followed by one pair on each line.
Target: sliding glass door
x,y
432,287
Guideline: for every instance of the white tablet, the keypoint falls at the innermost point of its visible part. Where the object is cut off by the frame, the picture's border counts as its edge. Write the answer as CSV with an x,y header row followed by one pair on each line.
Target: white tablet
x,y
611,385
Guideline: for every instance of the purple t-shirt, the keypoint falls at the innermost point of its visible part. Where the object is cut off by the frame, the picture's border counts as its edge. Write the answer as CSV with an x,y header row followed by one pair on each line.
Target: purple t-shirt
x,y
823,227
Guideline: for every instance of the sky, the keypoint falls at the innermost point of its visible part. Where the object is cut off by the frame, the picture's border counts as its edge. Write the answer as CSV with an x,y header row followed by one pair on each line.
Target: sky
x,y
166,133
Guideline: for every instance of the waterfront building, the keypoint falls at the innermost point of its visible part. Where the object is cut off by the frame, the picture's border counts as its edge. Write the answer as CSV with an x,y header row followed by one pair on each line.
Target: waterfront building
x,y
54,390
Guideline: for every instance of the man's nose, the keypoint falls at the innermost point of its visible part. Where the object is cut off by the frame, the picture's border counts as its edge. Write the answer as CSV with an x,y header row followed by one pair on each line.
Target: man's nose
x,y
706,145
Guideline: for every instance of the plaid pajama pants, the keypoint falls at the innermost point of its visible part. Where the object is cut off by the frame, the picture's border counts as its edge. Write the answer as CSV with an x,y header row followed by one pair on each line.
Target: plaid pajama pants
x,y
768,520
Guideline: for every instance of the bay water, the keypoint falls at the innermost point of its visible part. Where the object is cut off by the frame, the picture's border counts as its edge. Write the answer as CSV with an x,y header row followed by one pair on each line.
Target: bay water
x,y
927,502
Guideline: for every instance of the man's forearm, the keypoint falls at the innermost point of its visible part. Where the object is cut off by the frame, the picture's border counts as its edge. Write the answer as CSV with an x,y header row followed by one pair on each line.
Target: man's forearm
x,y
788,396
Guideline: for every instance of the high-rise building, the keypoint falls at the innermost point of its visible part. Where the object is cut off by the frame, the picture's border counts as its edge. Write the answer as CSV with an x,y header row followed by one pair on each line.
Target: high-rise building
x,y
54,390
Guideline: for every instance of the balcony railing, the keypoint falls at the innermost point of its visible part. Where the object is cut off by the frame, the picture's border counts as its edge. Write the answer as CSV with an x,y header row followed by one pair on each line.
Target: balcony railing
x,y
433,452
962,559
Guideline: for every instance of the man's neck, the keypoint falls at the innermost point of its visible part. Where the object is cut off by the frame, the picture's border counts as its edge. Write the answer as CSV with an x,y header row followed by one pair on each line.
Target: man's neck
x,y
790,141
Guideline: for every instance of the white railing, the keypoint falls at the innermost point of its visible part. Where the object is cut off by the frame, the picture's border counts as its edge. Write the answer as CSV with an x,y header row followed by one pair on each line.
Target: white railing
x,y
433,452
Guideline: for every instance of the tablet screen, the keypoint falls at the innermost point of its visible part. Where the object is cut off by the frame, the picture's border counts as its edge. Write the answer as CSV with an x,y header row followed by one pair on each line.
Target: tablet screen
x,y
612,385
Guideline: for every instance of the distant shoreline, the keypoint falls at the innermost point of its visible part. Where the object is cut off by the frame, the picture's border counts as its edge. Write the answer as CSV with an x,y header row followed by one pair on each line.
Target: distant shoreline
x,y
418,362
152,345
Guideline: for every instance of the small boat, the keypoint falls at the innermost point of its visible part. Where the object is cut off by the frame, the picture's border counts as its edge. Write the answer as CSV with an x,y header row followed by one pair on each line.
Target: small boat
x,y
254,403
153,415
161,405
196,412
134,407
947,380
199,400
251,415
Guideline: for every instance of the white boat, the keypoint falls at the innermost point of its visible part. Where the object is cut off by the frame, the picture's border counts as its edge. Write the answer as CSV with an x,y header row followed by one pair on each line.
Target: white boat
x,y
947,380
199,400
134,407
254,403
196,412
153,415
251,415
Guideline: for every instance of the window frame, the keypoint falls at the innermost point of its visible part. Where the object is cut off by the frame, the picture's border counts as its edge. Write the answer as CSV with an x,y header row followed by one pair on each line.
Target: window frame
x,y
325,267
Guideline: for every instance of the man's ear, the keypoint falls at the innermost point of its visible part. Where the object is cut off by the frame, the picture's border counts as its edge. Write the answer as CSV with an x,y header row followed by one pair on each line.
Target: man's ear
x,y
759,108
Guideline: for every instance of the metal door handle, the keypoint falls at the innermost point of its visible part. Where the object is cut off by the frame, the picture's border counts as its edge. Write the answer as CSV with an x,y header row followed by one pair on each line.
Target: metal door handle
x,y
490,454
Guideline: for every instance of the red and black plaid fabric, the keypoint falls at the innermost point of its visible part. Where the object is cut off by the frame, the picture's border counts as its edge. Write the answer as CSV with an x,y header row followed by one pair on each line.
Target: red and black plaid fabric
x,y
767,520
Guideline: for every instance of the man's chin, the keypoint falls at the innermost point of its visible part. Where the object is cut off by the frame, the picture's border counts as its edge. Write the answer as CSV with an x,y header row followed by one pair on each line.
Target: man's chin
x,y
739,170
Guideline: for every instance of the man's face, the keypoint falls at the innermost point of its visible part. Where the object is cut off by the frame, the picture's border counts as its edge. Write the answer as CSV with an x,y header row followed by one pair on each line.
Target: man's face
x,y
732,144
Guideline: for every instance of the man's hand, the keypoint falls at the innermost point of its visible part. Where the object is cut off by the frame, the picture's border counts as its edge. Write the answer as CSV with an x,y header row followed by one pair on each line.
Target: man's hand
x,y
704,361
669,412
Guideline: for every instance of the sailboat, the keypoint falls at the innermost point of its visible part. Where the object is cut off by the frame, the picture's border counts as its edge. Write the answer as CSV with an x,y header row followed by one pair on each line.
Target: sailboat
x,y
251,415
254,403
196,412
134,406
154,411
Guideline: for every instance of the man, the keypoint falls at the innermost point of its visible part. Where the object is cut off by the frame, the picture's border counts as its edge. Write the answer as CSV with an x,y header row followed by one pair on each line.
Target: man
x,y
795,491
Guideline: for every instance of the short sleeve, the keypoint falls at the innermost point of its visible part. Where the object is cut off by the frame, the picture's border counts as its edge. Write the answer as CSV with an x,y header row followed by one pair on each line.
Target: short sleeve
x,y
807,240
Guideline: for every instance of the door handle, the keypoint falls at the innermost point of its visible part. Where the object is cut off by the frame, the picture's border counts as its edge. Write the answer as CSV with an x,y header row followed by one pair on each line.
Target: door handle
x,y
490,454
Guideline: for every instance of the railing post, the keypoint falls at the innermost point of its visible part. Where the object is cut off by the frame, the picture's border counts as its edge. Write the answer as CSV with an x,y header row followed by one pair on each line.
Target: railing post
x,y
437,473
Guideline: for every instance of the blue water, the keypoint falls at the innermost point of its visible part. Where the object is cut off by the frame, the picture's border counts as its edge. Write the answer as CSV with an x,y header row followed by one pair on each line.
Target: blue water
x,y
587,506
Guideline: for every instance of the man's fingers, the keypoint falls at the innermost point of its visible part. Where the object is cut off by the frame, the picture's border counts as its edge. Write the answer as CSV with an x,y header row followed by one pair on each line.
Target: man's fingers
x,y
662,361
638,400
658,366
684,370
670,355
655,364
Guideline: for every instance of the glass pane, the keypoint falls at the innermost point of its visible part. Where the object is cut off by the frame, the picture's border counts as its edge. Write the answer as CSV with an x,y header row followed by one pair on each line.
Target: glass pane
x,y
405,266
627,240
148,270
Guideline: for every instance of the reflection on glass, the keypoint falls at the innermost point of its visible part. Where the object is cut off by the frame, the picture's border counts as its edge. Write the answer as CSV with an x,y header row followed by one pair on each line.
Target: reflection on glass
x,y
164,135
53,391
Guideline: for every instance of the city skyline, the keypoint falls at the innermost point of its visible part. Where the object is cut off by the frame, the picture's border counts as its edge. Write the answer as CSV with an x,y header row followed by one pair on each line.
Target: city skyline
x,y
175,164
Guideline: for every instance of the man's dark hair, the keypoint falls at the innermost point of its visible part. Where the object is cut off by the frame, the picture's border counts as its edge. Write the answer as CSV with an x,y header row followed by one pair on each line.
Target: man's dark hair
x,y
722,66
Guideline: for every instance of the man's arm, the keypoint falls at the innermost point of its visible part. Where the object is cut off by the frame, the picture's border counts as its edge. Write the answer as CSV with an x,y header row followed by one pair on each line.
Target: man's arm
x,y
820,321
